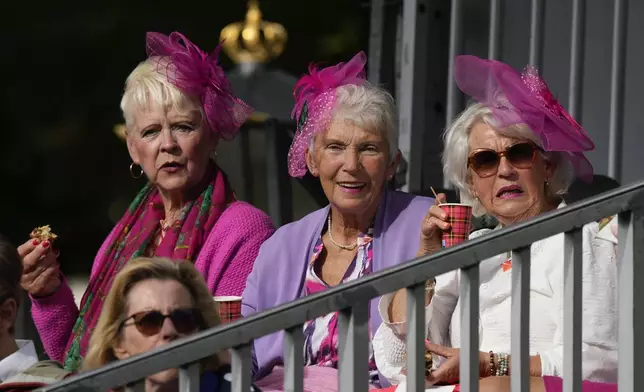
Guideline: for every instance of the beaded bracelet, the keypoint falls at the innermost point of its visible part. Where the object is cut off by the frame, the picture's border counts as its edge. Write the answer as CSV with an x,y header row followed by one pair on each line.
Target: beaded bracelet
x,y
492,367
502,365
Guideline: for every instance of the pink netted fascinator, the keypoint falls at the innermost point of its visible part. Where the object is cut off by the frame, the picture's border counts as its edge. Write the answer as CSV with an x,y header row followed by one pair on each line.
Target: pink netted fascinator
x,y
314,103
199,74
524,98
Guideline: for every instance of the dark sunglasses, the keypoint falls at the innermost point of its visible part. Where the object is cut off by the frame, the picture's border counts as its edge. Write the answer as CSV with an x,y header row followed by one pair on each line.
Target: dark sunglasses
x,y
150,322
485,162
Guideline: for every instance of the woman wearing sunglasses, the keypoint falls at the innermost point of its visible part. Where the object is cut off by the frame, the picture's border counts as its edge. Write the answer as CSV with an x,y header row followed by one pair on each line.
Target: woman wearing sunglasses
x,y
512,155
153,302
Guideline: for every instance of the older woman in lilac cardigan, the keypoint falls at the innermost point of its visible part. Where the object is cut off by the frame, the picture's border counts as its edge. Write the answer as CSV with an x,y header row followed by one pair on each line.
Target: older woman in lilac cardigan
x,y
177,106
346,137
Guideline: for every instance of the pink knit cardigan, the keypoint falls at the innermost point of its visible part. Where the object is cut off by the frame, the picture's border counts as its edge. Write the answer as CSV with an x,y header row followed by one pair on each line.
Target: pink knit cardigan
x,y
225,261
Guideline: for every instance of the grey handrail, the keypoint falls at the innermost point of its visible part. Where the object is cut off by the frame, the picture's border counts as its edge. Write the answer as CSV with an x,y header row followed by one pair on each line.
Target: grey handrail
x,y
411,274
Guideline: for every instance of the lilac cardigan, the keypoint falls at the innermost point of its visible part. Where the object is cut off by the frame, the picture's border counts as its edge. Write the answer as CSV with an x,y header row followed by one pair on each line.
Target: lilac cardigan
x,y
278,273
225,261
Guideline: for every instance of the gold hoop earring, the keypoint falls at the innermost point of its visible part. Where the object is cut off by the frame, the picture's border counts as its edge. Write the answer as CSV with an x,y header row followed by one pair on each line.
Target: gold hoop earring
x,y
546,189
132,171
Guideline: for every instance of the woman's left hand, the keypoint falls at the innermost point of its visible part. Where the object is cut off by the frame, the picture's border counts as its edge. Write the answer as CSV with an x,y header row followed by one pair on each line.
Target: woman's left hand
x,y
448,372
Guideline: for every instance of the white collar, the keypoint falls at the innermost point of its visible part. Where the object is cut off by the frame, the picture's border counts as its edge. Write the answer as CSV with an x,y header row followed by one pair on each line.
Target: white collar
x,y
19,361
561,205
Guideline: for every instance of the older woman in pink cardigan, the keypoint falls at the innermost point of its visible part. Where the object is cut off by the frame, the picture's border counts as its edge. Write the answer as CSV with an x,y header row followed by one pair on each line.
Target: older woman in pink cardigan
x,y
177,106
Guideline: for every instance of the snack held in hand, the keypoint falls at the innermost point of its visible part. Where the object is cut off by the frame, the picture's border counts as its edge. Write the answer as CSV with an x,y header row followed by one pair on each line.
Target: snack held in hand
x,y
43,234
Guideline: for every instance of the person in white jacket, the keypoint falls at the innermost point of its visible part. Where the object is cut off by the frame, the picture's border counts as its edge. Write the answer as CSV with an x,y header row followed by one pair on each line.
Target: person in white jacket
x,y
511,155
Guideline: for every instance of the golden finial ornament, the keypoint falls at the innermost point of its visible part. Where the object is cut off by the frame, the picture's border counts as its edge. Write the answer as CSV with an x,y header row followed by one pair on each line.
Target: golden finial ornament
x,y
253,40
120,130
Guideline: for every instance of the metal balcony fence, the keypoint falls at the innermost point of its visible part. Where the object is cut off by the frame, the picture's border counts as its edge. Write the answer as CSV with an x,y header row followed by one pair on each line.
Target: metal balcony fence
x,y
351,300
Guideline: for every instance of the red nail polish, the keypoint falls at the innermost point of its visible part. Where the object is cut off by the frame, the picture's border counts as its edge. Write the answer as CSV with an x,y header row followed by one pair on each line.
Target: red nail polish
x,y
45,244
35,242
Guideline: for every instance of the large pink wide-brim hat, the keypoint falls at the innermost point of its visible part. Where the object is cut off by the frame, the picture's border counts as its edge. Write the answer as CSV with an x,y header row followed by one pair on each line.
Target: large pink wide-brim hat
x,y
524,98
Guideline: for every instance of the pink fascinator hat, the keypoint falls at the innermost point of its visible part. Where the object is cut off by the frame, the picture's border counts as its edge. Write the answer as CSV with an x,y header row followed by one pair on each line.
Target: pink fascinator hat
x,y
524,98
199,74
315,100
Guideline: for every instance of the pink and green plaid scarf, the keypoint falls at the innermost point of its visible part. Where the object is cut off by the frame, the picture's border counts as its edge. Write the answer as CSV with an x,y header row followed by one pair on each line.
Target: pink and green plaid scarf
x,y
137,230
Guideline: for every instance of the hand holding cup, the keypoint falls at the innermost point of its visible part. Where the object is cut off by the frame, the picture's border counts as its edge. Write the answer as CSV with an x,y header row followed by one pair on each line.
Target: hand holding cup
x,y
435,223
445,225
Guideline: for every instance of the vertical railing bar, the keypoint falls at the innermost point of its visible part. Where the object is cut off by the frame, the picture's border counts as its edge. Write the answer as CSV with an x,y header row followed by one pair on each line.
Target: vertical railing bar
x,y
278,182
246,163
630,337
469,362
577,46
411,100
294,359
273,188
625,334
241,367
189,377
398,61
572,310
416,338
638,299
138,386
455,48
376,38
353,329
536,33
617,77
494,39
520,324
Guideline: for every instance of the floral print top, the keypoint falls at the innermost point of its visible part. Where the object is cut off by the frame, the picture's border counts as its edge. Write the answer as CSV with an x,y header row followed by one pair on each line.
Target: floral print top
x,y
321,334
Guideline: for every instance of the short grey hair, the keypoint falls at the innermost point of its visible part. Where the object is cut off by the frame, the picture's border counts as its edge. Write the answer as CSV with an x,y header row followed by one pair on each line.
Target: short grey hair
x,y
146,85
457,149
368,107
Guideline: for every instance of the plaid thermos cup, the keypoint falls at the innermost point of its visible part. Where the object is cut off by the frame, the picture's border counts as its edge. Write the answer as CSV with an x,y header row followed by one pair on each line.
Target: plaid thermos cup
x,y
460,220
229,308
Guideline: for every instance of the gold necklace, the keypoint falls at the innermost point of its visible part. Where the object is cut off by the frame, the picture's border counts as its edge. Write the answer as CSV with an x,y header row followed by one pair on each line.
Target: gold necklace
x,y
165,225
345,247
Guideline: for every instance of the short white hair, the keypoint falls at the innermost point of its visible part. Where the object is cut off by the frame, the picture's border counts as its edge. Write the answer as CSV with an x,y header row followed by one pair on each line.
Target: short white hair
x,y
457,149
146,86
368,107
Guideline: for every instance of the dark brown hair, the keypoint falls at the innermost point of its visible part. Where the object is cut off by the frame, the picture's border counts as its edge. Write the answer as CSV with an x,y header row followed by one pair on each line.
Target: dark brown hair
x,y
10,273
10,270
